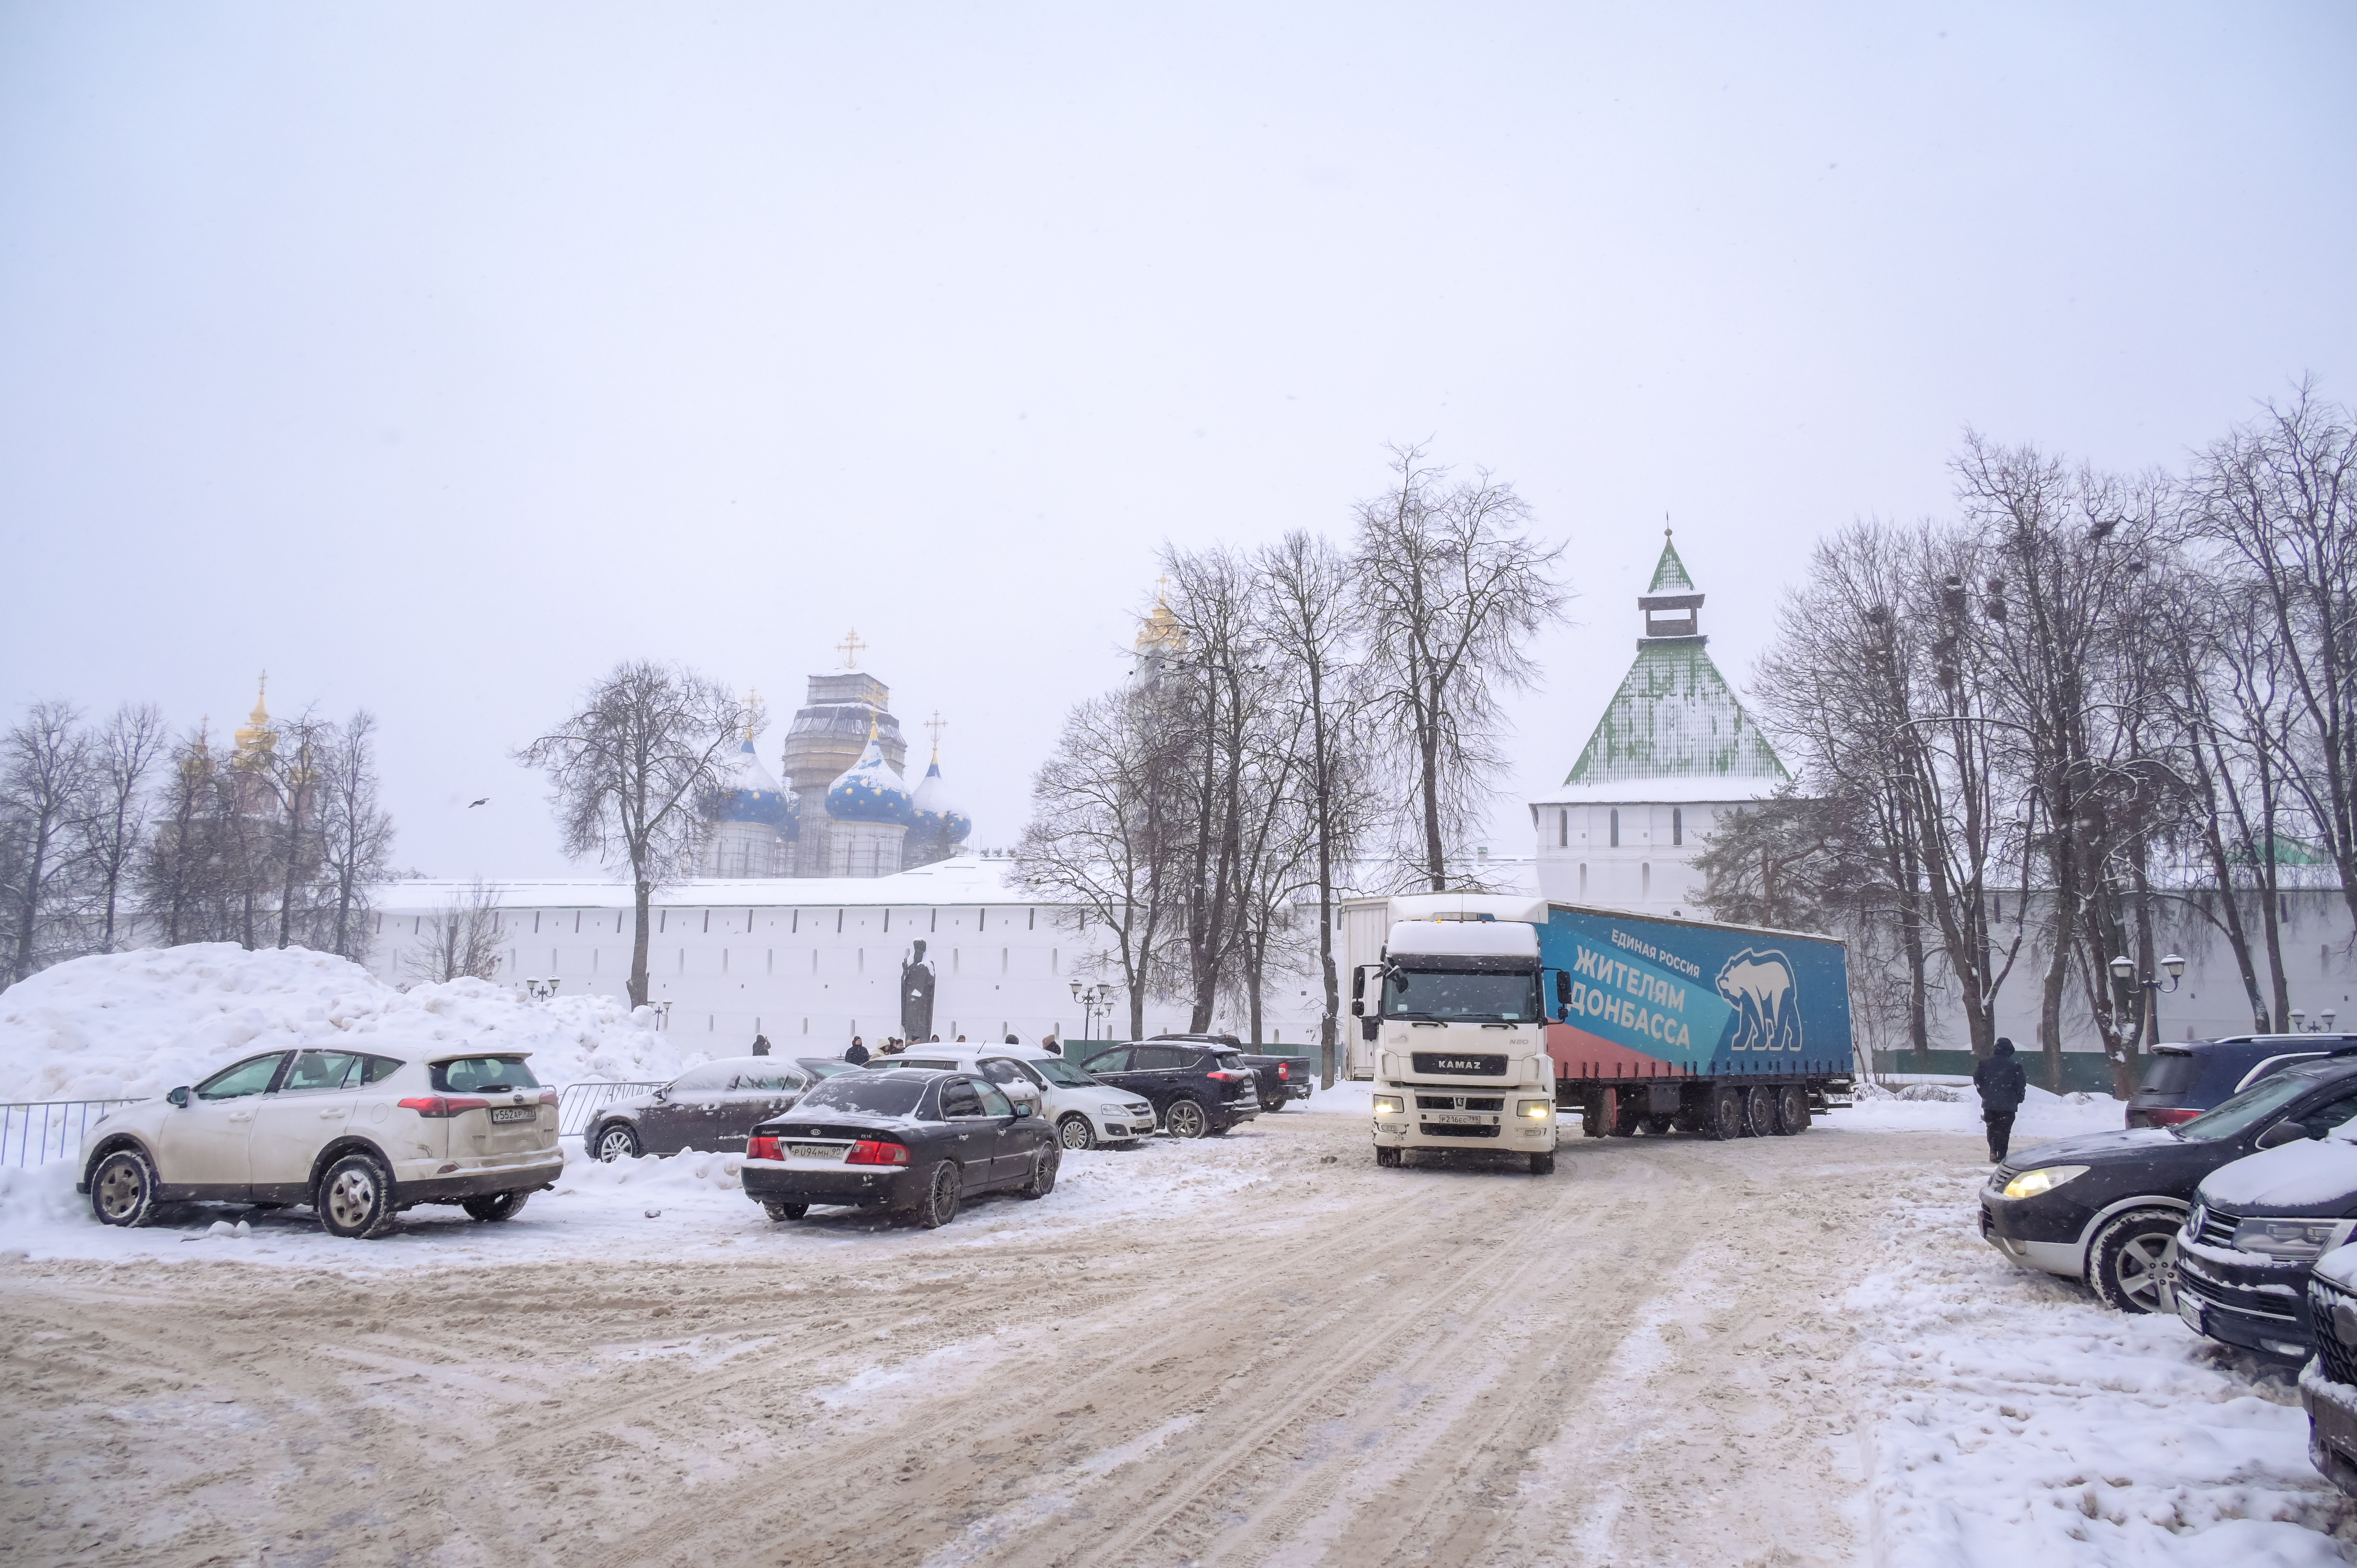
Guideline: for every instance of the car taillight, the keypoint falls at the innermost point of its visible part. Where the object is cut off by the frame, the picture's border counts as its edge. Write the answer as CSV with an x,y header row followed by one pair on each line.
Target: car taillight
x,y
2169,1118
1284,1071
764,1146
440,1105
868,1152
1221,1074
548,1096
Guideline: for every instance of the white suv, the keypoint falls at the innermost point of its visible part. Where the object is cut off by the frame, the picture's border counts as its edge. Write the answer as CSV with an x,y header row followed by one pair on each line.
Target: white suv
x,y
1085,1112
357,1135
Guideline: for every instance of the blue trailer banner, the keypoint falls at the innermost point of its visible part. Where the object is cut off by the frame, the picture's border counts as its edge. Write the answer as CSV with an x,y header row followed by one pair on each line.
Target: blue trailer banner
x,y
1696,998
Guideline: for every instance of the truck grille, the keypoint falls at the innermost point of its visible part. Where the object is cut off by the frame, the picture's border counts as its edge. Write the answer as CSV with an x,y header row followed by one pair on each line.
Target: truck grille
x,y
1456,1063
1455,1130
1459,1102
2328,1304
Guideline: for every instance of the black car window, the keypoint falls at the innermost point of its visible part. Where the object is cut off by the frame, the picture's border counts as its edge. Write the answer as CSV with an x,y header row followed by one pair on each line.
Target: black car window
x,y
2322,1119
708,1079
861,1091
1115,1060
1157,1059
994,1103
2171,1072
764,1082
319,1069
251,1075
2255,1105
482,1075
1003,1071
375,1069
959,1098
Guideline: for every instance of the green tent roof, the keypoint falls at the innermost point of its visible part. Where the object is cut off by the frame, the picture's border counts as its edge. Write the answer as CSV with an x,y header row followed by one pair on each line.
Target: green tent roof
x,y
1674,716
1670,573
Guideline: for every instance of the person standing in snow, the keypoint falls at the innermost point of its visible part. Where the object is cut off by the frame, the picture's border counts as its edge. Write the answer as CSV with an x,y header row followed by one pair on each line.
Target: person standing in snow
x,y
2000,1082
857,1054
1047,1043
761,1045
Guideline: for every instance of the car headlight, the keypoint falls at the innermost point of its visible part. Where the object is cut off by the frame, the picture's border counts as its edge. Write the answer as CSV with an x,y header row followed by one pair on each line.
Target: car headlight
x,y
2045,1178
1536,1110
2291,1241
1389,1105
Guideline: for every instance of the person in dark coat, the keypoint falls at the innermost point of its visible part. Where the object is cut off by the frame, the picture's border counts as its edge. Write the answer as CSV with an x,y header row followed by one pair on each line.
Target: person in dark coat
x,y
761,1045
1999,1079
857,1054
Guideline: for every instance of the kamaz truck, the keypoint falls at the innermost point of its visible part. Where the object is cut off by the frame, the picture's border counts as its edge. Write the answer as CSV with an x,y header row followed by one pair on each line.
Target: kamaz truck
x,y
1649,1025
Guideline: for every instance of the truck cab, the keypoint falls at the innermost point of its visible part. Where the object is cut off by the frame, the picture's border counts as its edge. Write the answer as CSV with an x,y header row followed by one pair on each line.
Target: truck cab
x,y
1452,1020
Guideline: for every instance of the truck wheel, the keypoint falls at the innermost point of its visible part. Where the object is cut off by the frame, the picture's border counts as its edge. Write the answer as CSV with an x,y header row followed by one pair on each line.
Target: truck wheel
x,y
1793,1110
1387,1157
1726,1114
1759,1111
2124,1263
1543,1165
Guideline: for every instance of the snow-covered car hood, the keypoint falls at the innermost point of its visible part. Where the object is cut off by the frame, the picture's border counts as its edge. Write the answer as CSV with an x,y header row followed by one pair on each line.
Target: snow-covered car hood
x,y
2339,1266
2311,1176
2097,1145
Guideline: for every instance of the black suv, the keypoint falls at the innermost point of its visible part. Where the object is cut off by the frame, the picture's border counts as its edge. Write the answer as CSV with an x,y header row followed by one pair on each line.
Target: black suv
x,y
2185,1079
2104,1208
1195,1089
1282,1078
2258,1228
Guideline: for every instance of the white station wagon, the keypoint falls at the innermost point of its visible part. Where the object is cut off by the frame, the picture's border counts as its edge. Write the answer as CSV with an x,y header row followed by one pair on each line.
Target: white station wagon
x,y
359,1135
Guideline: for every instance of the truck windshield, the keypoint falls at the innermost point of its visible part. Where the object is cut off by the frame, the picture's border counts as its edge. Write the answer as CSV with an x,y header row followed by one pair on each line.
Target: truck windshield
x,y
1458,993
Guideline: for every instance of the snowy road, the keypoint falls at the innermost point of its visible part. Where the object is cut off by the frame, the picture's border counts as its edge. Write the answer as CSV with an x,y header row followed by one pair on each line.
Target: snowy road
x,y
1260,1349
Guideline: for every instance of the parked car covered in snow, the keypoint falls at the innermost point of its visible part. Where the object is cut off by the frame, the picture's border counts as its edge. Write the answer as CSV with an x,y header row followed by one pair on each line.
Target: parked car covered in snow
x,y
2185,1078
2258,1226
359,1135
2105,1207
711,1109
905,1139
1085,1112
2328,1384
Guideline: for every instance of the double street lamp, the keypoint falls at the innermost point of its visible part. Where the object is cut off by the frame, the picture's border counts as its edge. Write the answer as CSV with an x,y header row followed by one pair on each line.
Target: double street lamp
x,y
2124,971
1094,1000
2323,1025
543,990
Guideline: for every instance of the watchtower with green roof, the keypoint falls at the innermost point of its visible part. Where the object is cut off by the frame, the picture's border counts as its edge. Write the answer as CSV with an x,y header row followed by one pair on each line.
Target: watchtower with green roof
x,y
1672,751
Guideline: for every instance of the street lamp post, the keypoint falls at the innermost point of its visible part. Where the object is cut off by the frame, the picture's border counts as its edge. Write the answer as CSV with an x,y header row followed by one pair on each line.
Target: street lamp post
x,y
2124,971
2323,1025
1093,1000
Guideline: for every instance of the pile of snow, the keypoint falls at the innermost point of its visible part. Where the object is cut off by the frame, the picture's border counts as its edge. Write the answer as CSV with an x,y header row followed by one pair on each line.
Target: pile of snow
x,y
2042,1114
120,1026
2014,1419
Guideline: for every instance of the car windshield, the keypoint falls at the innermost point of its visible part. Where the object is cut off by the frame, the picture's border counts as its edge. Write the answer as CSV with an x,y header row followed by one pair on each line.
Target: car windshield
x,y
482,1075
2256,1104
1458,994
827,1066
1056,1069
876,1096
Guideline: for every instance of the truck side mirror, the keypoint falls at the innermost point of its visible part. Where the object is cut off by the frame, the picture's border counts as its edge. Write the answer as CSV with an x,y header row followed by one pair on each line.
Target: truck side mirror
x,y
1369,1029
1562,989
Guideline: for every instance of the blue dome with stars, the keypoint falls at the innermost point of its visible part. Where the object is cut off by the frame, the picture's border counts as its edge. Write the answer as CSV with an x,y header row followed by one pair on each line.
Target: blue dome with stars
x,y
748,792
935,816
870,790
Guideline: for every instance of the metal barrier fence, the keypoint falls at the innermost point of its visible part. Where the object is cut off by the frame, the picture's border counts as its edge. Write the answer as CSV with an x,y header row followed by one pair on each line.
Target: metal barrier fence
x,y
577,1103
35,1131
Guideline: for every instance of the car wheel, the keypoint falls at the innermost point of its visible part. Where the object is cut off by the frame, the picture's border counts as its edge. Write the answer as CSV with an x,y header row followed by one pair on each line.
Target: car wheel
x,y
496,1206
2125,1263
1725,1112
615,1141
1075,1132
1543,1165
940,1204
1185,1119
123,1189
354,1199
1042,1179
1759,1111
777,1209
1388,1158
1793,1110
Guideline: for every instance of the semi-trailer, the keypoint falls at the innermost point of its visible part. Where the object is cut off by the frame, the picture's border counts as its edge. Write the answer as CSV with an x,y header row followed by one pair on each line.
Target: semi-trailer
x,y
1652,1024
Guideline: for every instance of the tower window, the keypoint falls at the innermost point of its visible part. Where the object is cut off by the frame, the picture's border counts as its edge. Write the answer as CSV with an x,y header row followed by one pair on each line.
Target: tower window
x,y
1563,828
1616,827
1677,825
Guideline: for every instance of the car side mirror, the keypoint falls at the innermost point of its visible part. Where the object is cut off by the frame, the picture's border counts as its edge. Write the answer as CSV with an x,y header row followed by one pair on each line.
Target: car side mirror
x,y
2282,1132
180,1097
663,1093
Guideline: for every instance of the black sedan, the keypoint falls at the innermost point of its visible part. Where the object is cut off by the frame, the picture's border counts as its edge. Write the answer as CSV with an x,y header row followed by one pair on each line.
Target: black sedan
x,y
904,1139
710,1109
2103,1207
1194,1089
2258,1228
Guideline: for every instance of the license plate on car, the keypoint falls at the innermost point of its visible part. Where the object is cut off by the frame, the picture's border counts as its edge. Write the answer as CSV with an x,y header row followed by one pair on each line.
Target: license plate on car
x,y
814,1151
2189,1308
515,1112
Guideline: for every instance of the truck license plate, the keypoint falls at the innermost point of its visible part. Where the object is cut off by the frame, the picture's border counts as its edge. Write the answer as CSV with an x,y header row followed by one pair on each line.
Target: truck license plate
x,y
1458,1118
515,1112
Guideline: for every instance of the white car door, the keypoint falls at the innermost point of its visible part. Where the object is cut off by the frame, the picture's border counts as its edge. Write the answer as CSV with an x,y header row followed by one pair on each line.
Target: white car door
x,y
204,1144
311,1104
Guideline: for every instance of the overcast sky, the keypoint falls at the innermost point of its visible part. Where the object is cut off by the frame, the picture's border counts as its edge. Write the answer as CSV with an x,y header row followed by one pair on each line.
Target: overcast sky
x,y
435,357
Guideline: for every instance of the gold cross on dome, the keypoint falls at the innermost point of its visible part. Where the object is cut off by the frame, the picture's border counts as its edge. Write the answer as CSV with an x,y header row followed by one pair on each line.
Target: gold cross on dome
x,y
849,648
936,724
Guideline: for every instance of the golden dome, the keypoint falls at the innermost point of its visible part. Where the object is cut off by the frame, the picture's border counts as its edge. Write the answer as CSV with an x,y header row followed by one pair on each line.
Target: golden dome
x,y
256,737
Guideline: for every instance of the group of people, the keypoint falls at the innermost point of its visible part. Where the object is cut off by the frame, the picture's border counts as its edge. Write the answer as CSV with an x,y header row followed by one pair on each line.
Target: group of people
x,y
894,1046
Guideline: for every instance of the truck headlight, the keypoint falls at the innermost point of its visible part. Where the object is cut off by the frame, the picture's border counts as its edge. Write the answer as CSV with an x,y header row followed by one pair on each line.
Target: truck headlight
x,y
2291,1241
2046,1178
1389,1105
1536,1110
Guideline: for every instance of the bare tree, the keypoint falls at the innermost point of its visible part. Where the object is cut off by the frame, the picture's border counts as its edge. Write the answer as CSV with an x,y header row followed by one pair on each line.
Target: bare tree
x,y
355,830
289,776
462,937
629,770
1452,593
44,779
113,815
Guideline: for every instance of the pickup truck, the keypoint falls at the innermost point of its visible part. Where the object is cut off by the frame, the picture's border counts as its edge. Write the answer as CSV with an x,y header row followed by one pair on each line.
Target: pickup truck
x,y
1282,1079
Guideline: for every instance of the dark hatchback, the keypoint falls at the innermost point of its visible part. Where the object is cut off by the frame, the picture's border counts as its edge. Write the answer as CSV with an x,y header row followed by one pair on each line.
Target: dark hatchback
x,y
2258,1228
2188,1077
905,1139
2104,1208
1282,1078
1194,1089
711,1109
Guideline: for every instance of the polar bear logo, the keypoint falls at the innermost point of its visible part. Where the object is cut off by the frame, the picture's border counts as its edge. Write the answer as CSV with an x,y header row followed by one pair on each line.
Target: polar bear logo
x,y
1758,986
